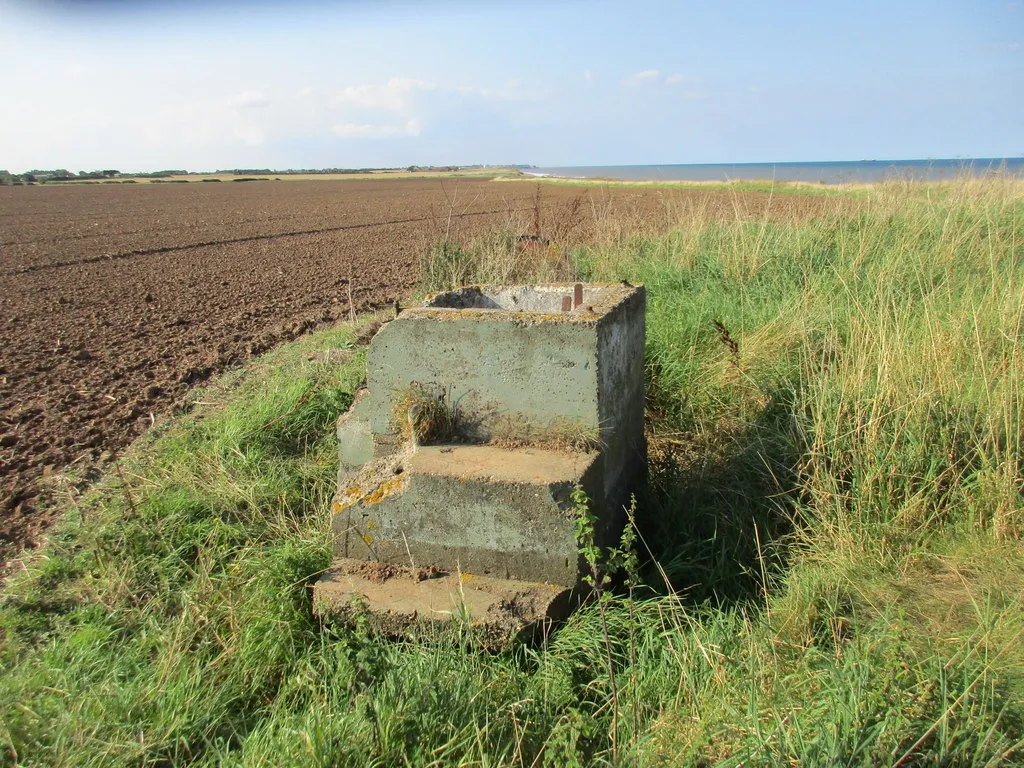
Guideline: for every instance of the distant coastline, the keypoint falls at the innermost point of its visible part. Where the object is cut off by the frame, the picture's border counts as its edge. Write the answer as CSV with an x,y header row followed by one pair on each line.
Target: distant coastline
x,y
832,172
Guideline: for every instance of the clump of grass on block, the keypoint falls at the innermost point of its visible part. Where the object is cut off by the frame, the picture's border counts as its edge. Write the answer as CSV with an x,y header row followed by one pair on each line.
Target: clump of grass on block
x,y
424,416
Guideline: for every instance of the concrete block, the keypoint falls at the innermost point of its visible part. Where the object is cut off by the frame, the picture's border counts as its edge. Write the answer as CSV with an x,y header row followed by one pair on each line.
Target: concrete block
x,y
355,440
519,371
474,508
429,602
546,386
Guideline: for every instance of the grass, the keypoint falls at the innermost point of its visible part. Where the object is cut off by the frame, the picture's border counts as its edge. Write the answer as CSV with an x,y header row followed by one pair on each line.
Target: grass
x,y
832,568
424,416
736,185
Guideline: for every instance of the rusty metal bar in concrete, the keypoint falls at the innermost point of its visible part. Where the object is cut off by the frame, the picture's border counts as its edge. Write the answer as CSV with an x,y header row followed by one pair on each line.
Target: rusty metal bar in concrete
x,y
577,295
566,303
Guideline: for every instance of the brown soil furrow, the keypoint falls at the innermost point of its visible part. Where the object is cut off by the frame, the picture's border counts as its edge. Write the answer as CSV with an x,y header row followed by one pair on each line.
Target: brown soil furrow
x,y
235,240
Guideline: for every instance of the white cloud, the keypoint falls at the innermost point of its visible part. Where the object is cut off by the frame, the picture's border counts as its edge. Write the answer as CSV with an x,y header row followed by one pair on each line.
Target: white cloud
x,y
220,123
251,135
249,99
406,97
360,107
394,95
182,124
645,77
687,86
207,124
411,127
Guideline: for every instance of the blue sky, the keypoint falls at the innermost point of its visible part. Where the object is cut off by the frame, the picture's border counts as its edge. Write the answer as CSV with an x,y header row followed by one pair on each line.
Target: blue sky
x,y
188,84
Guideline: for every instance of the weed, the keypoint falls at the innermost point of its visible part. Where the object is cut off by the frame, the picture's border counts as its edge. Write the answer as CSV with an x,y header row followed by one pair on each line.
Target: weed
x,y
509,253
726,338
424,416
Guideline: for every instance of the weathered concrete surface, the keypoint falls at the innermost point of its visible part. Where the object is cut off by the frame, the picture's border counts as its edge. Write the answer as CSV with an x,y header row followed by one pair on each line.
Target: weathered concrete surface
x,y
355,440
544,401
476,508
519,371
545,299
620,354
430,601
504,377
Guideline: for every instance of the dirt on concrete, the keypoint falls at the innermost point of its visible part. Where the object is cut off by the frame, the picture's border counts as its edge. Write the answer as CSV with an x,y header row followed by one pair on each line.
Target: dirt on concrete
x,y
397,601
117,298
378,572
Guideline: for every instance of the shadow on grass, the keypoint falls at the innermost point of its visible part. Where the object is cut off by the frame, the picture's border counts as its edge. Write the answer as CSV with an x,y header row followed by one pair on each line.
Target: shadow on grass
x,y
718,513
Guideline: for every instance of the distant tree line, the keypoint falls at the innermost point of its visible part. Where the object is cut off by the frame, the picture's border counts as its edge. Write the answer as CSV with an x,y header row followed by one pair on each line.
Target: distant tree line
x,y
98,174
158,174
40,176
36,176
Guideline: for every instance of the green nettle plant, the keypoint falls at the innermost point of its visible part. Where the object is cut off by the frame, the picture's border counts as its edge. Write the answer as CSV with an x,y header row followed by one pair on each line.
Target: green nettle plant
x,y
604,567
586,522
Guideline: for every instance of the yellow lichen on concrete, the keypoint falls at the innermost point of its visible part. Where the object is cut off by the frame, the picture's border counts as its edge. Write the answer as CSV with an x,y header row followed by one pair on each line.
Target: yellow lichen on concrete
x,y
385,489
369,488
348,497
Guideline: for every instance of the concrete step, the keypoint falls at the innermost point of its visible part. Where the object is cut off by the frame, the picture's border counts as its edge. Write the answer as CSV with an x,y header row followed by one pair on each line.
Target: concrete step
x,y
484,510
430,602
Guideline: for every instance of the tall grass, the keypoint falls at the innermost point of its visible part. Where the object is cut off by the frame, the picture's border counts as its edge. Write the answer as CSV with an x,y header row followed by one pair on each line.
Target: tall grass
x,y
832,535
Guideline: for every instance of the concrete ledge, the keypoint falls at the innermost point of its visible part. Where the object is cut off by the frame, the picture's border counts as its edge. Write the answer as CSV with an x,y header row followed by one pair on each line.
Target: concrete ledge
x,y
504,513
426,601
501,465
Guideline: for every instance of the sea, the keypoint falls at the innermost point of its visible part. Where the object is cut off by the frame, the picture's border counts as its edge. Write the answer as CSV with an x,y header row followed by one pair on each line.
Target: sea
x,y
835,172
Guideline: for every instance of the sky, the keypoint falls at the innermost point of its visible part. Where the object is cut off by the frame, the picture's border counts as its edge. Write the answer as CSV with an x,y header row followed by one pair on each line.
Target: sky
x,y
116,84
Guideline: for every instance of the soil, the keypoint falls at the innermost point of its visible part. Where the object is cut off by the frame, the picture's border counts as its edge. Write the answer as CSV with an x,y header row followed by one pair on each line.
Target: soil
x,y
378,572
117,298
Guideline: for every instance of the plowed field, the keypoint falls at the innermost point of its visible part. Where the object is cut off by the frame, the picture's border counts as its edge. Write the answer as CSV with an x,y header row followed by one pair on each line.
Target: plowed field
x,y
116,298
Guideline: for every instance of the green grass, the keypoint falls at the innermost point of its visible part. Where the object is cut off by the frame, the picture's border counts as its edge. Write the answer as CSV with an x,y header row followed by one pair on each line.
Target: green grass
x,y
738,185
832,569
